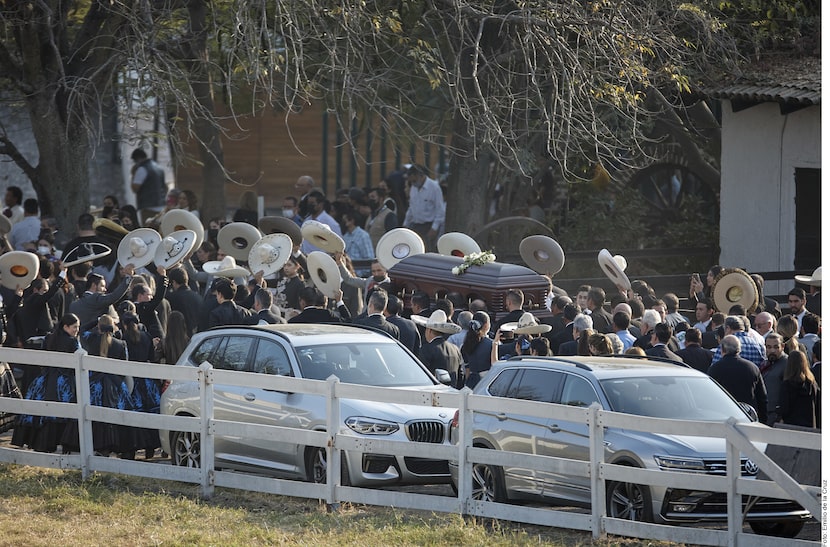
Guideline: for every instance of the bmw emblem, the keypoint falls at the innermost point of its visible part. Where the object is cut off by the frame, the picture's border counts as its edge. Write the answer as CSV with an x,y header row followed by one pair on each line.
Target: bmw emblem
x,y
750,467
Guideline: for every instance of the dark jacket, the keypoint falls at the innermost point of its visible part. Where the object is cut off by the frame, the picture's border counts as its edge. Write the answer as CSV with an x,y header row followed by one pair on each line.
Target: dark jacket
x,y
322,315
441,354
228,313
35,317
662,351
696,357
410,337
147,311
378,321
742,379
799,402
189,303
264,316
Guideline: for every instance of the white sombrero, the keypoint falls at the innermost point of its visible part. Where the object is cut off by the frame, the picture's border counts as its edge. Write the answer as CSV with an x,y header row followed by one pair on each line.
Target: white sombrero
x,y
281,225
138,247
814,280
91,250
237,238
397,244
175,247
322,236
526,324
437,321
18,269
457,244
175,220
324,272
225,268
270,253
542,254
611,268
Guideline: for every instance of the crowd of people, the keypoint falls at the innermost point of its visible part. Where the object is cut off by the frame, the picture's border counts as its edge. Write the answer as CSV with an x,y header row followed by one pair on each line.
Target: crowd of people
x,y
763,357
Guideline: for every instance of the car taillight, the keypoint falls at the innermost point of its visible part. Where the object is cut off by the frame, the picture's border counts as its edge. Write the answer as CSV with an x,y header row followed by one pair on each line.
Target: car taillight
x,y
164,385
454,421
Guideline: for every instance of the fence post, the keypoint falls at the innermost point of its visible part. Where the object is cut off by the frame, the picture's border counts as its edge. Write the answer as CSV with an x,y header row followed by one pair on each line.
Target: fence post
x,y
596,451
206,439
333,454
465,440
734,507
84,425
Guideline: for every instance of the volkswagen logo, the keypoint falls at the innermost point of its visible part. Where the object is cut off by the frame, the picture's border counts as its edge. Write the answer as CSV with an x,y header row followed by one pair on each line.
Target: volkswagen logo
x,y
750,467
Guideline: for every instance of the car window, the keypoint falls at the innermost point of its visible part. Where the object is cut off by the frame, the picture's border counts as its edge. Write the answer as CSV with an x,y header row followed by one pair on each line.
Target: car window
x,y
271,358
578,391
535,385
204,352
233,353
373,364
501,383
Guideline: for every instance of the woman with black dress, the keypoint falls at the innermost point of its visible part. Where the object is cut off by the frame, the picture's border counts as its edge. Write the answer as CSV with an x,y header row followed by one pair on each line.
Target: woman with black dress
x,y
146,394
477,348
799,392
45,433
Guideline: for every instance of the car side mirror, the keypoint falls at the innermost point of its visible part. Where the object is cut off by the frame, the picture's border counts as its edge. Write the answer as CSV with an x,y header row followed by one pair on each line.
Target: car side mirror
x,y
750,411
443,376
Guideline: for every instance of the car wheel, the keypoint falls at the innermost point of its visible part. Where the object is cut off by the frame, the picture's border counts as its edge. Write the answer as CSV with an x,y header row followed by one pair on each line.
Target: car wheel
x,y
787,529
316,464
488,483
187,449
624,500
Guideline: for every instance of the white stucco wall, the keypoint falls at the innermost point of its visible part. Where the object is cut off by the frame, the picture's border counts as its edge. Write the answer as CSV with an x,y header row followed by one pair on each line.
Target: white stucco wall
x,y
761,150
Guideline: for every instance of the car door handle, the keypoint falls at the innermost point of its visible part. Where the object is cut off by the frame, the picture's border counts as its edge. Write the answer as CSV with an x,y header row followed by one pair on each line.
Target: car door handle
x,y
501,416
554,428
250,397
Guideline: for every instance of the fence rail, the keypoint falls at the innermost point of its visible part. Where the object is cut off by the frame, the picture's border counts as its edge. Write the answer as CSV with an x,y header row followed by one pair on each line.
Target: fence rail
x,y
739,438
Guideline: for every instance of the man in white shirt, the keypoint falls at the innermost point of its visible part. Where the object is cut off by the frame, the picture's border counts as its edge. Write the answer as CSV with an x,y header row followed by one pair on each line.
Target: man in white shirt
x,y
13,200
425,214
317,211
28,229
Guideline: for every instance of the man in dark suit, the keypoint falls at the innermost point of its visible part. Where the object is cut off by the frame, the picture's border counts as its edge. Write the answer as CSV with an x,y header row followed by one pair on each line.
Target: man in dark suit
x,y
513,301
227,312
569,312
374,315
96,301
183,299
603,321
660,336
557,321
410,337
694,355
263,314
740,377
314,304
581,323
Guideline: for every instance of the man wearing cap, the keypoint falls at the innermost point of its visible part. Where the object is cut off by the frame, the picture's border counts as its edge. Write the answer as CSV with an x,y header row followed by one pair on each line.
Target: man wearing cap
x,y
315,308
148,184
374,317
437,352
424,216
317,211
95,300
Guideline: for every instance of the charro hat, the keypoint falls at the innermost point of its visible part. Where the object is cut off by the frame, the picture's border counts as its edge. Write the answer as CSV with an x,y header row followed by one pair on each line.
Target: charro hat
x,y
281,225
90,250
18,269
5,225
237,238
611,268
734,286
526,324
138,247
322,236
174,247
437,321
324,272
457,244
621,261
182,219
225,268
542,254
270,253
814,280
397,244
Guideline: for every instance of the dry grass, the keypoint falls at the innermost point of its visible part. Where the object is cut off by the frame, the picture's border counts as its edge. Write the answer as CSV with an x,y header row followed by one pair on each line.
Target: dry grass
x,y
51,507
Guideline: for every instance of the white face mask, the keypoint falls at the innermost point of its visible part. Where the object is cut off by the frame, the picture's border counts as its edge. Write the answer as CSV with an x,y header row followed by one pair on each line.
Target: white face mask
x,y
549,301
288,213
43,250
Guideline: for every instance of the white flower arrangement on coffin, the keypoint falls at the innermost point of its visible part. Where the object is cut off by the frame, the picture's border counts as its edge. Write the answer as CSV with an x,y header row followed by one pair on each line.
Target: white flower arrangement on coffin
x,y
474,259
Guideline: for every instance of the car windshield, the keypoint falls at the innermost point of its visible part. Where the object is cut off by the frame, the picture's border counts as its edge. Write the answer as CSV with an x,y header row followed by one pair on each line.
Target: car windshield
x,y
371,364
674,397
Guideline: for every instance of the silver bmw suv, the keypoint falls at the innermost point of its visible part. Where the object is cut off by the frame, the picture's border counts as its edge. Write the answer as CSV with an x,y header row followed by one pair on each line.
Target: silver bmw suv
x,y
629,385
353,354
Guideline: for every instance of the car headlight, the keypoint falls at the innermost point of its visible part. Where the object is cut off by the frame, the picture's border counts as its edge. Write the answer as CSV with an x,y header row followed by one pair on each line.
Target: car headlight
x,y
371,426
682,464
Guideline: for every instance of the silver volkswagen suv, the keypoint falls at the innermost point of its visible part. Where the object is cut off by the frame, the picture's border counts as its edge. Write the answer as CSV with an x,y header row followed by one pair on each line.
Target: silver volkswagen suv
x,y
353,354
642,387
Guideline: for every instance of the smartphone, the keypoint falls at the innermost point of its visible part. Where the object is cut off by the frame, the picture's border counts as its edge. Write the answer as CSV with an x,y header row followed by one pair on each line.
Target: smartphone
x,y
696,277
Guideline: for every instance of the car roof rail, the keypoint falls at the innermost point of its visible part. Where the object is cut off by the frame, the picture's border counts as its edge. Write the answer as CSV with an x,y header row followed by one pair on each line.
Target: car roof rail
x,y
646,358
555,358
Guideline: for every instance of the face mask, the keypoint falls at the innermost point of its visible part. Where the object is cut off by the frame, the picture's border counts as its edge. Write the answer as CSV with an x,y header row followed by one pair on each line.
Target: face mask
x,y
288,213
549,301
43,250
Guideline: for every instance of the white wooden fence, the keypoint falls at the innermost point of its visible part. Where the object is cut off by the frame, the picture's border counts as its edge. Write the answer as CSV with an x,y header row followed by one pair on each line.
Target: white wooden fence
x,y
739,438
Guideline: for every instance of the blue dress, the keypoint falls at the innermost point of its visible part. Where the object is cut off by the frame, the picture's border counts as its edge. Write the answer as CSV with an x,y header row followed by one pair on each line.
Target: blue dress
x,y
478,361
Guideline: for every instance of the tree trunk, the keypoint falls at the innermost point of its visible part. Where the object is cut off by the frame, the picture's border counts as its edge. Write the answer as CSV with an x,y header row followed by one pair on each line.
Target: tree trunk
x,y
467,183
